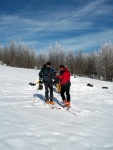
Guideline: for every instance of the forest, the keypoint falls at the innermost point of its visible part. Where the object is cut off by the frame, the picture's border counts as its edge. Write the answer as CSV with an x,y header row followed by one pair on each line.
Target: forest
x,y
97,64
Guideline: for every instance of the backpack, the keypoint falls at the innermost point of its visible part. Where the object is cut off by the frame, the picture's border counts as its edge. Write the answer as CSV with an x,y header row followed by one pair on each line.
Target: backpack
x,y
40,87
47,74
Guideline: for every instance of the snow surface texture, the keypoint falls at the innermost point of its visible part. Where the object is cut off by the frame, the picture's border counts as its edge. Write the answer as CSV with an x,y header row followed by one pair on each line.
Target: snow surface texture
x,y
27,127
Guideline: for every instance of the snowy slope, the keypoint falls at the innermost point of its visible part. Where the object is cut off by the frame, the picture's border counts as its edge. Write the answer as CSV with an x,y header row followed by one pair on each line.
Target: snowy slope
x,y
27,127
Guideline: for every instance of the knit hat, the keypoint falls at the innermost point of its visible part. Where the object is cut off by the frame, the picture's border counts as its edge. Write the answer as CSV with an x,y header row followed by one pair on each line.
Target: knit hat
x,y
48,63
61,66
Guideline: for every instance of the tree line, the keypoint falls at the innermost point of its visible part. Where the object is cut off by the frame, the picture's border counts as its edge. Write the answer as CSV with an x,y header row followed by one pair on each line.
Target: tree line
x,y
96,64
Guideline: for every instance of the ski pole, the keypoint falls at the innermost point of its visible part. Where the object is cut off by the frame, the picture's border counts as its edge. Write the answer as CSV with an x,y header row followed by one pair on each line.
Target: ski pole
x,y
34,100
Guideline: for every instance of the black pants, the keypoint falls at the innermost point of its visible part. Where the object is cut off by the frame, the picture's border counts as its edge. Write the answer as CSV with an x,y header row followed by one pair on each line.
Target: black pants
x,y
48,87
65,93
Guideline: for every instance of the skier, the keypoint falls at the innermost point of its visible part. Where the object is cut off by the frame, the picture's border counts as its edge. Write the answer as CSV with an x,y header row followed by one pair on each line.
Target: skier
x,y
65,85
46,74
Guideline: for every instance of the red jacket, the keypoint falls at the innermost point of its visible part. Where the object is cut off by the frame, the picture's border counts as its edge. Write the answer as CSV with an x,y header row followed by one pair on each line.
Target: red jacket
x,y
64,77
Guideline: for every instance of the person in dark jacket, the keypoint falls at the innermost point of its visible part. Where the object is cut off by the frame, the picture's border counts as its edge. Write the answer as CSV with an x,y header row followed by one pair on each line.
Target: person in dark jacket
x,y
65,85
47,74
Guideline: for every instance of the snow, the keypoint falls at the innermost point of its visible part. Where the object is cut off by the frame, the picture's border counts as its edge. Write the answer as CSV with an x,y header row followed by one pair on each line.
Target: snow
x,y
27,127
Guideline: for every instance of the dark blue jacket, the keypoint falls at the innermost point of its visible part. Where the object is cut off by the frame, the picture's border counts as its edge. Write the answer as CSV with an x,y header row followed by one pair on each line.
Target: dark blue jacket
x,y
47,73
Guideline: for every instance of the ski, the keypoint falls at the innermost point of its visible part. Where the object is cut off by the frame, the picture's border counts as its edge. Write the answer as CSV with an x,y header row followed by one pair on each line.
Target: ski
x,y
78,111
57,106
54,106
68,109
50,106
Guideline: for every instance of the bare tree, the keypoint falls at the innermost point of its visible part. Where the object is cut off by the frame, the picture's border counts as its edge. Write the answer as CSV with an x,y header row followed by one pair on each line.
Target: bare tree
x,y
41,59
105,62
1,53
56,55
19,55
79,63
90,66
70,61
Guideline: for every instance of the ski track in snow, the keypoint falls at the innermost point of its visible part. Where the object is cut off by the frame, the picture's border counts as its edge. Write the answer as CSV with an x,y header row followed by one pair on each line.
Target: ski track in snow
x,y
25,123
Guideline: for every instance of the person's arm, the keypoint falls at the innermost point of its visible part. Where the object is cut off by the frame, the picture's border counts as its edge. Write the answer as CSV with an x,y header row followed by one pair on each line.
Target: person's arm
x,y
40,74
60,75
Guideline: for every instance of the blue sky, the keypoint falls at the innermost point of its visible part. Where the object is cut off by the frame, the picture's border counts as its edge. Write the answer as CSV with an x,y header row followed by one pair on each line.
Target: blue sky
x,y
74,24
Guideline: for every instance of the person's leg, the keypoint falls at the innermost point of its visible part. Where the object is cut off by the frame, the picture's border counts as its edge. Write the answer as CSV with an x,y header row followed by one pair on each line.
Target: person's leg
x,y
46,91
68,96
51,92
68,93
62,93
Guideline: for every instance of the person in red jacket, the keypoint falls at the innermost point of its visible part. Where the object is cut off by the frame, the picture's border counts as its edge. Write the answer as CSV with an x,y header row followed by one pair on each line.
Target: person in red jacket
x,y
65,85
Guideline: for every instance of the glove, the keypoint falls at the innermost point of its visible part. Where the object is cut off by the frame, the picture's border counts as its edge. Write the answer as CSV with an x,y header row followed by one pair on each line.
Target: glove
x,y
40,80
57,74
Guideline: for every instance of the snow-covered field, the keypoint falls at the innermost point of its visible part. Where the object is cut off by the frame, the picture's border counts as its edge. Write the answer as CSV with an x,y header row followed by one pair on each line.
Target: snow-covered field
x,y
27,127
